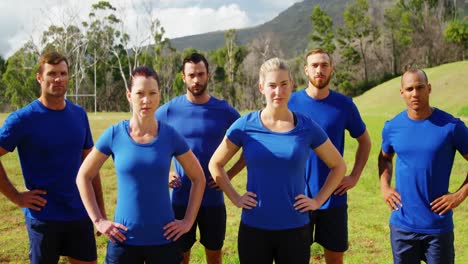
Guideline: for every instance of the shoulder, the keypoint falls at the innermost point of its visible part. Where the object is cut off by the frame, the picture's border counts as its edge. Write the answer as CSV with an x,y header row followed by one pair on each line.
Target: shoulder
x,y
341,98
297,94
222,104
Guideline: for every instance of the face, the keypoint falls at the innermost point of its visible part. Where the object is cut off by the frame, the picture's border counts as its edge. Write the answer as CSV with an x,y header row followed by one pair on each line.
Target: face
x,y
53,79
415,91
145,96
277,88
196,78
319,70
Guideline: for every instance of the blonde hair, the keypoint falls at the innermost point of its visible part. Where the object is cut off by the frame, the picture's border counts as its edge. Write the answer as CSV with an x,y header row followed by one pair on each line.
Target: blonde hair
x,y
274,64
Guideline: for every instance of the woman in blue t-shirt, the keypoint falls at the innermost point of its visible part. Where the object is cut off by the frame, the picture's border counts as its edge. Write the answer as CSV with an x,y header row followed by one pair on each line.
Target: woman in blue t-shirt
x,y
276,144
144,228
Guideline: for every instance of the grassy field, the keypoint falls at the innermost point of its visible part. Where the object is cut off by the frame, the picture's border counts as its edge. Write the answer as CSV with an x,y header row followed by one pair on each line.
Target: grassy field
x,y
368,215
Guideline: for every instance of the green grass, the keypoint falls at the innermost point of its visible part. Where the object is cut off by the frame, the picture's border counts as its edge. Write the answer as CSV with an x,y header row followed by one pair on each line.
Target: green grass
x,y
368,214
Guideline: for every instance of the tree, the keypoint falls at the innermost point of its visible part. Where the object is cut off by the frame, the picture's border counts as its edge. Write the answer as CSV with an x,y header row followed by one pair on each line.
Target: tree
x,y
323,33
357,34
19,77
397,24
457,32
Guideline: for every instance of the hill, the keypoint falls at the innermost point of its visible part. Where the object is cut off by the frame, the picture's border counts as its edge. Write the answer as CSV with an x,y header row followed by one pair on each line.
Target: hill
x,y
289,31
449,92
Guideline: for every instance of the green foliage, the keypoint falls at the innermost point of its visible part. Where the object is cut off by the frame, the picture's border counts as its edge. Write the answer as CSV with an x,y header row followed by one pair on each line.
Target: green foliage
x,y
19,77
397,24
323,33
457,32
356,35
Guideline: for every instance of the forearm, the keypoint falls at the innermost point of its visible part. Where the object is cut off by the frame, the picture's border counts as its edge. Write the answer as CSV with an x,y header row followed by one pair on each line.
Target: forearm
x,y
462,192
195,198
88,196
333,179
361,157
98,194
237,167
6,187
385,170
222,180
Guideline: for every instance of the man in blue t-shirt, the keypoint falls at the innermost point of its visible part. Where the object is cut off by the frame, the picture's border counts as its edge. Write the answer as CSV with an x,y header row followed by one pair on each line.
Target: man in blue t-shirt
x,y
335,113
202,120
425,140
53,137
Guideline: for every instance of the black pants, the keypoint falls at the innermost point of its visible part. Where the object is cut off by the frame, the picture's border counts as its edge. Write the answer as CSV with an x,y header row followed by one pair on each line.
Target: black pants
x,y
288,246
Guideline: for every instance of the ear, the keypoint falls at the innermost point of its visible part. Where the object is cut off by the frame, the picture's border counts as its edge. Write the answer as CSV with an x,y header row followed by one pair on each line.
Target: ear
x,y
38,77
429,87
401,92
183,77
306,71
260,88
129,94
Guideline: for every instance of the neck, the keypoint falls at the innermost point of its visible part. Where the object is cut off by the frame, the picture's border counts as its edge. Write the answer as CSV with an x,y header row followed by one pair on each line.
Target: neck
x,y
317,93
275,114
200,99
143,125
420,115
54,103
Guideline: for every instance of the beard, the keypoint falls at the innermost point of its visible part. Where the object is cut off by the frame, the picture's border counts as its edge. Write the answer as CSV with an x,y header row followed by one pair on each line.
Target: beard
x,y
201,90
321,83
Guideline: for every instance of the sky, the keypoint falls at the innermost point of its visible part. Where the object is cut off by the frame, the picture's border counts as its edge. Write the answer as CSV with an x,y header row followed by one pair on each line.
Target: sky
x,y
23,20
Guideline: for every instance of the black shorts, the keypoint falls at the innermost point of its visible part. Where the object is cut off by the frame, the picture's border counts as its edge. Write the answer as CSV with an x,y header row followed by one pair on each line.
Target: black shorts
x,y
330,228
259,246
118,253
211,221
48,240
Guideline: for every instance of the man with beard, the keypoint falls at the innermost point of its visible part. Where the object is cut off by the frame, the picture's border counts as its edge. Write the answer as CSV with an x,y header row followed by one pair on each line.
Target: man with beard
x,y
203,120
52,136
335,113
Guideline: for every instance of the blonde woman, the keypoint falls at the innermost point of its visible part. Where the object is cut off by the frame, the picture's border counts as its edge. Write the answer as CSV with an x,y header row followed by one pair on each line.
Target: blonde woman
x,y
276,143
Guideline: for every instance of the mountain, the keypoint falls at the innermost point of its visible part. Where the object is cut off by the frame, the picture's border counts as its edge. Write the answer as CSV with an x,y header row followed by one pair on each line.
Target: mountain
x,y
289,31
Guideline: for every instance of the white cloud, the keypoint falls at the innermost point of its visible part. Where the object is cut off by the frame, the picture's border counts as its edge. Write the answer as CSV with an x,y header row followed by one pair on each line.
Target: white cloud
x,y
26,19
194,20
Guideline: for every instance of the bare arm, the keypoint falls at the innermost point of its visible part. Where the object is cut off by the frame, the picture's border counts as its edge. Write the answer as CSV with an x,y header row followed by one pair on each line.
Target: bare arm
x,y
195,173
333,159
28,199
97,186
237,167
361,157
89,170
449,201
389,194
225,151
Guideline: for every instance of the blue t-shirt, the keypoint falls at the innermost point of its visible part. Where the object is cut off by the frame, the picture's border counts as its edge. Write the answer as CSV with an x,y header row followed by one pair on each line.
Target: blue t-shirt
x,y
203,126
425,152
275,168
143,202
334,114
50,147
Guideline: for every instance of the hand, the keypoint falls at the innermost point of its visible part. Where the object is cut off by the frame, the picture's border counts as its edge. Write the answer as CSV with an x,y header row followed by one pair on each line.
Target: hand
x,y
346,183
212,184
446,202
391,197
304,203
175,229
31,199
174,180
111,230
246,201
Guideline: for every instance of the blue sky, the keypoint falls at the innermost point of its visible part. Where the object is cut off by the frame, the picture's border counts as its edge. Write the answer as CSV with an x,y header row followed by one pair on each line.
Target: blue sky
x,y
24,20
